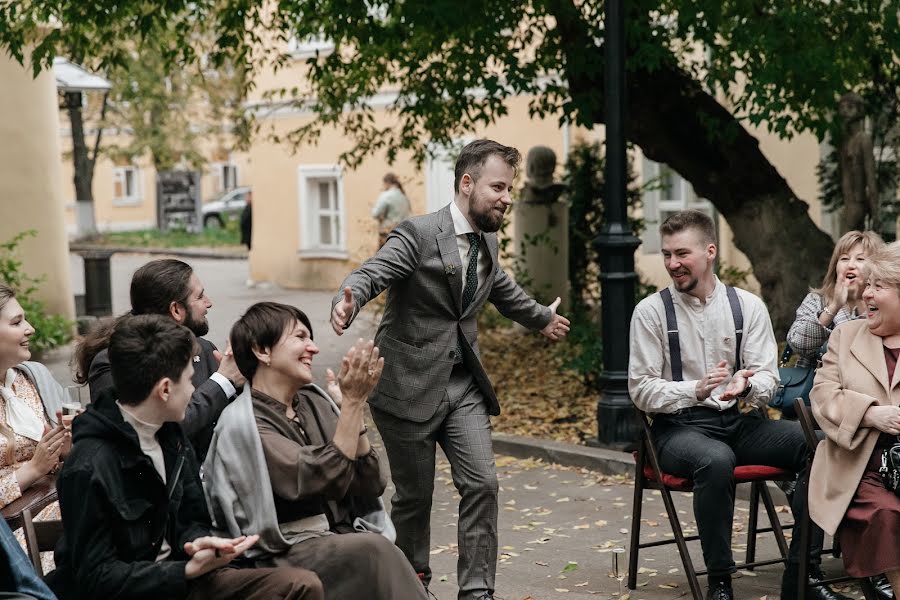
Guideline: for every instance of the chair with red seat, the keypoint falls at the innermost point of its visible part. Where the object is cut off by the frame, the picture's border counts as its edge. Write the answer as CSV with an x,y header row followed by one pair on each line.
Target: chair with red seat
x,y
649,475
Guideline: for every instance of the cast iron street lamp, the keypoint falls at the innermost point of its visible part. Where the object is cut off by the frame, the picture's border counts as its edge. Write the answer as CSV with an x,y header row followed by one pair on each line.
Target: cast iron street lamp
x,y
616,245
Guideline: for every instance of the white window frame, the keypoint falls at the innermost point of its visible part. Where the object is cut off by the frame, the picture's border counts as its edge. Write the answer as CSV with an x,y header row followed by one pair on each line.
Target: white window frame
x,y
680,196
309,46
120,177
219,172
308,178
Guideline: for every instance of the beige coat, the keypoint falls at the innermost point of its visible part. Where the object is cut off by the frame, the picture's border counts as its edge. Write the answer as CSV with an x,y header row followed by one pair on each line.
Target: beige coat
x,y
853,377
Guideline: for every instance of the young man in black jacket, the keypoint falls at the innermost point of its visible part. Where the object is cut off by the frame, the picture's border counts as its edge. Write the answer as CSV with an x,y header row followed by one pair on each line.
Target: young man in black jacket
x,y
135,520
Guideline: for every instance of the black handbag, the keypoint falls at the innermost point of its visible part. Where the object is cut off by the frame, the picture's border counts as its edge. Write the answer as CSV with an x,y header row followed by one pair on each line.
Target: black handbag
x,y
795,382
890,468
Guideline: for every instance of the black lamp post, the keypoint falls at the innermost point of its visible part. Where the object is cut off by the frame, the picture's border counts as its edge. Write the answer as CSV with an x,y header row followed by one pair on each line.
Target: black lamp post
x,y
616,245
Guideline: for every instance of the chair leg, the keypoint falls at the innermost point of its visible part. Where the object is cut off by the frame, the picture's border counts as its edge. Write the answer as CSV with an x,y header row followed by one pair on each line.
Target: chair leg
x,y
689,570
774,521
31,543
803,567
634,546
868,590
753,524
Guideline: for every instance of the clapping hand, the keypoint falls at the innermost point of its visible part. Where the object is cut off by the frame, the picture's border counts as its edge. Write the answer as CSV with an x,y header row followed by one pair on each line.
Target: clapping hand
x,y
738,384
360,370
558,326
711,381
333,388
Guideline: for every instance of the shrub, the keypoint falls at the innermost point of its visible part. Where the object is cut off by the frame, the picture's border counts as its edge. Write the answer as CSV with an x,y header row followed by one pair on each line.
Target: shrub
x,y
50,331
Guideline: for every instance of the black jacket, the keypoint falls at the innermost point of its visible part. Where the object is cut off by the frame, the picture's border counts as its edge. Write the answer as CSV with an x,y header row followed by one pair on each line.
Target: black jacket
x,y
116,510
207,403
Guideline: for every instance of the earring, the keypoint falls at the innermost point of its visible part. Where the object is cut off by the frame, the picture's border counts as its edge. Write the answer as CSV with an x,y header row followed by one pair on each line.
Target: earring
x,y
269,363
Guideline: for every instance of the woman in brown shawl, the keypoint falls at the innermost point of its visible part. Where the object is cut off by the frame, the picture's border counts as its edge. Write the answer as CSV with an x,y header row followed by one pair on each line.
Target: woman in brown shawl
x,y
318,474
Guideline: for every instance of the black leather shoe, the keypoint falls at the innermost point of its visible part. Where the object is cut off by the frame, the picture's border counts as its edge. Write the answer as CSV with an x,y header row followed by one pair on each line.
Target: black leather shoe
x,y
813,592
720,591
882,587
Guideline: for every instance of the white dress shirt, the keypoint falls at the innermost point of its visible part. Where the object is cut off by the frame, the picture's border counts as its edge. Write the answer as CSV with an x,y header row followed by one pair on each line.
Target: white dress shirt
x,y
707,336
461,226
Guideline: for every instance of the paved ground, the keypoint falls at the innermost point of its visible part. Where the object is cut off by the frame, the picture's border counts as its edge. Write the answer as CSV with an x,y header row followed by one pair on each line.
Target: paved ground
x,y
558,526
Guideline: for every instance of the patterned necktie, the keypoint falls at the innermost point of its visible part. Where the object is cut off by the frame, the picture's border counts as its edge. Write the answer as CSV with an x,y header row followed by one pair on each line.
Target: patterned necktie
x,y
471,271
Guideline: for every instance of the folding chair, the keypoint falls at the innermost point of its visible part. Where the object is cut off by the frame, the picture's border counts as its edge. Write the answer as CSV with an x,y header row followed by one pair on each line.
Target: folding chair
x,y
40,536
40,495
804,416
649,475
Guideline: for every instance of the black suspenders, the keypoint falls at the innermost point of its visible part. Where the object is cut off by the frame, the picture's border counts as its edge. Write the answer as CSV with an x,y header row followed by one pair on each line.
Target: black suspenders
x,y
672,330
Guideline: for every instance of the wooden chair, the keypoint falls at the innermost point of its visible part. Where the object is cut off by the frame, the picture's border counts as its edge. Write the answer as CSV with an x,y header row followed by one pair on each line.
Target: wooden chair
x,y
804,416
649,475
40,536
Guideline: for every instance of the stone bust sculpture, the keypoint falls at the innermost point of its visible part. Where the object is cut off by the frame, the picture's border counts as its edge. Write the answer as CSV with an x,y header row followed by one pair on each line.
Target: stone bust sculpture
x,y
857,162
539,186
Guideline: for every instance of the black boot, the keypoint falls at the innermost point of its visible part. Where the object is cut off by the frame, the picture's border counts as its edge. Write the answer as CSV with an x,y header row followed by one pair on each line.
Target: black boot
x,y
720,590
882,587
789,586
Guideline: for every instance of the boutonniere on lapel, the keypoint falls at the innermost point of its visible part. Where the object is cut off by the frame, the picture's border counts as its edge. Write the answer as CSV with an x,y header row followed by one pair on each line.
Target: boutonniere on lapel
x,y
450,270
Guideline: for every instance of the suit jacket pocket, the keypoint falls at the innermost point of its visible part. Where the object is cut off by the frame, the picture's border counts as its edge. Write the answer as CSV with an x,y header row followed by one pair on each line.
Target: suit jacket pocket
x,y
409,371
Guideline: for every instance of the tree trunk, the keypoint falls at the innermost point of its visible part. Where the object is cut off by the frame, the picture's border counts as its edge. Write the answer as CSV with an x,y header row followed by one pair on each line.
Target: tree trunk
x,y
674,121
83,168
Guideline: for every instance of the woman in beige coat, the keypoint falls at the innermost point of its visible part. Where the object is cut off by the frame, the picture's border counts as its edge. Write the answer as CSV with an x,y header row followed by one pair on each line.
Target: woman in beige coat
x,y
856,400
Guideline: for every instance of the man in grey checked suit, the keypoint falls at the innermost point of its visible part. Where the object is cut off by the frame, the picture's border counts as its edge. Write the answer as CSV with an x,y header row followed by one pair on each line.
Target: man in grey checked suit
x,y
439,270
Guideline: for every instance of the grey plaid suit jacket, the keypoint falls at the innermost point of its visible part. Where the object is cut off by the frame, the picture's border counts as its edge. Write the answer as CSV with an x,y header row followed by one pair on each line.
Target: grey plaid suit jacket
x,y
420,267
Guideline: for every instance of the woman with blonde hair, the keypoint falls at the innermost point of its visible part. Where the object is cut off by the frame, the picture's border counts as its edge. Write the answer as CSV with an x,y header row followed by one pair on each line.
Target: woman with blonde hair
x,y
33,439
838,300
855,400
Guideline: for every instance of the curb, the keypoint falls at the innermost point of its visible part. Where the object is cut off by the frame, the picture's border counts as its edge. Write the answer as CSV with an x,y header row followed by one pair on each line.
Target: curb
x,y
184,252
607,462
600,460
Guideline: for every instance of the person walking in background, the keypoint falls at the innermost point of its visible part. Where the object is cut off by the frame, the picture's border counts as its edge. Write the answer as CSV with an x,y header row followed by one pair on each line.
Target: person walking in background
x,y
391,208
439,270
247,221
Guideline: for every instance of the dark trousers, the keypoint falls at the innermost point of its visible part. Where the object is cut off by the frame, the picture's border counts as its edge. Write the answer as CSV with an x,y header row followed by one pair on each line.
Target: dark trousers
x,y
462,427
706,445
282,583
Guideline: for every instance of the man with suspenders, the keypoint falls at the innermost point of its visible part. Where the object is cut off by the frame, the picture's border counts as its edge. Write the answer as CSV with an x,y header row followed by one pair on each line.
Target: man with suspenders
x,y
697,348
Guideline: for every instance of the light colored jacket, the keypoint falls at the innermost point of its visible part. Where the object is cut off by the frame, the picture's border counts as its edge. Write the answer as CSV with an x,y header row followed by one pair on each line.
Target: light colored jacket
x,y
52,394
853,377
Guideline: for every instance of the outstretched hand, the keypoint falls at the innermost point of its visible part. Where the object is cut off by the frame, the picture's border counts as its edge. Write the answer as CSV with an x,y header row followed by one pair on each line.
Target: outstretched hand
x,y
558,326
342,311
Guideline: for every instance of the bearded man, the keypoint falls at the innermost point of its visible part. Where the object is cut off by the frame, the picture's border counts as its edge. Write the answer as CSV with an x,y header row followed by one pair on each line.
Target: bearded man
x,y
169,287
439,270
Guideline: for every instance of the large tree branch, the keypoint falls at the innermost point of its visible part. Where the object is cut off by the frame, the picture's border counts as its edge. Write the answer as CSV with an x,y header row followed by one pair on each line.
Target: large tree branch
x,y
675,121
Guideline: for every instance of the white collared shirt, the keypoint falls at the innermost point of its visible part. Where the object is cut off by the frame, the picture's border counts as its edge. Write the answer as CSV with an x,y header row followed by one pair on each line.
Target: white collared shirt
x,y
462,226
706,335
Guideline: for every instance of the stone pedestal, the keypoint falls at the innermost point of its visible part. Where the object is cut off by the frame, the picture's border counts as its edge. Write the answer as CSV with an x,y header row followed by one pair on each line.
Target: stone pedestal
x,y
541,248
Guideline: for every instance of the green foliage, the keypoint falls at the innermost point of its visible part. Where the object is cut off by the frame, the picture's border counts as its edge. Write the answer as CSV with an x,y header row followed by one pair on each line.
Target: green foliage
x,y
733,276
173,238
585,184
50,331
585,194
779,64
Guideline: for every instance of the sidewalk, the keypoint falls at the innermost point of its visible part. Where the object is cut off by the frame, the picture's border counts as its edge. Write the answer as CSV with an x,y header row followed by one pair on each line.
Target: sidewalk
x,y
557,525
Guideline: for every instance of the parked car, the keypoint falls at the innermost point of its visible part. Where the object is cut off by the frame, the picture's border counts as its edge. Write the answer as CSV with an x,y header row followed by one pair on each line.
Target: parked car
x,y
227,207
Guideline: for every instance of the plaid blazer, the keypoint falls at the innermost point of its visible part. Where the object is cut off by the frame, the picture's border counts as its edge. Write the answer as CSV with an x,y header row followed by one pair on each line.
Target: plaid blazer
x,y
420,267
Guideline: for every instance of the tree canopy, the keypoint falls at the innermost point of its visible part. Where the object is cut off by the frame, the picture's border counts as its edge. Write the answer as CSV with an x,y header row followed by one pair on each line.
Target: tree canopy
x,y
699,71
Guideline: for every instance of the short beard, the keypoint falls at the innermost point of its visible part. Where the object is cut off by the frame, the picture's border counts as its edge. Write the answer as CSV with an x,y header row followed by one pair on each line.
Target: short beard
x,y
689,287
199,328
485,222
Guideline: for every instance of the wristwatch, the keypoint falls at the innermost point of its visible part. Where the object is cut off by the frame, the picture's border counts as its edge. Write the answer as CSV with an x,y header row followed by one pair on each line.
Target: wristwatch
x,y
746,391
